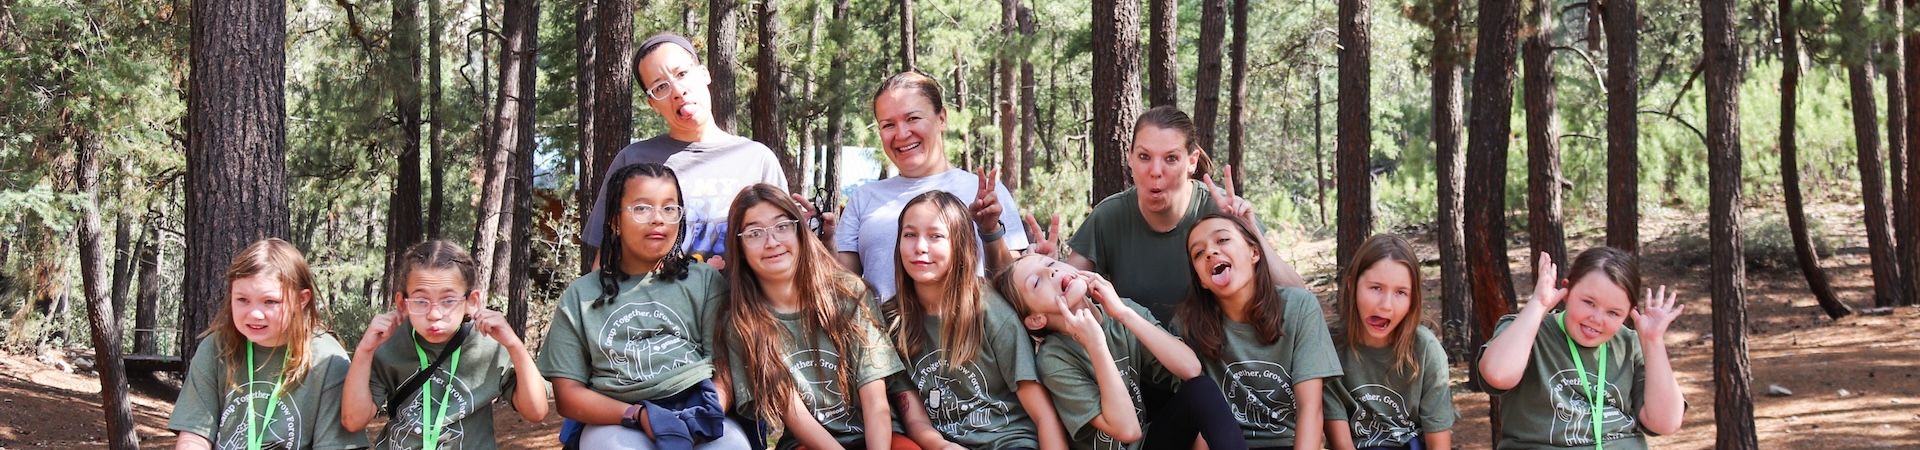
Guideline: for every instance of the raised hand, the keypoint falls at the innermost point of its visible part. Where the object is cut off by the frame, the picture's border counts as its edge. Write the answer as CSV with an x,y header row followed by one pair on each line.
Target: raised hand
x,y
379,330
986,205
1657,312
1546,290
1101,290
494,324
1081,325
828,220
1047,243
1223,197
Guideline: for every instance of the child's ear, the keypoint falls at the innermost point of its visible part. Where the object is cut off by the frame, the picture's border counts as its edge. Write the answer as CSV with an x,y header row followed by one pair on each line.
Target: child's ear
x,y
1035,322
399,302
474,305
306,296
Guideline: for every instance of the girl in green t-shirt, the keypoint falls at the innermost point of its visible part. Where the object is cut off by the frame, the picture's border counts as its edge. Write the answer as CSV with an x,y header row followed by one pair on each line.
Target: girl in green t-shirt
x,y
803,349
267,373
1267,345
1394,393
969,363
452,408
1580,378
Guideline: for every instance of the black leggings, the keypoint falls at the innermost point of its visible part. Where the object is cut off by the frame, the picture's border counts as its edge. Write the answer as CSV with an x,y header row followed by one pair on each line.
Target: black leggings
x,y
1196,409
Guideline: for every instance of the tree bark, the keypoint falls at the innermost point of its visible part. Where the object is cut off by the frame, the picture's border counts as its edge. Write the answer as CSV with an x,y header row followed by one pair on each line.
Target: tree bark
x,y
520,283
907,45
1873,190
1803,250
403,202
436,158
1029,105
1206,83
1448,122
1623,124
236,190
837,96
1354,146
1163,66
100,313
1903,220
771,79
1009,96
1319,149
146,298
122,274
1733,397
516,73
723,51
1910,232
1545,231
613,91
593,163
1237,108
1116,45
1486,188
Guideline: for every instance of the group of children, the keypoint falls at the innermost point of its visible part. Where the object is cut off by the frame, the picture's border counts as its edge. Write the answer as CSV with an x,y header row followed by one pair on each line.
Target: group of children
x,y
655,349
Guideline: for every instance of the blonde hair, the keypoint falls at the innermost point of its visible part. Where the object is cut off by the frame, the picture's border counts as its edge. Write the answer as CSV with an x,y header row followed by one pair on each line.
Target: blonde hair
x,y
303,320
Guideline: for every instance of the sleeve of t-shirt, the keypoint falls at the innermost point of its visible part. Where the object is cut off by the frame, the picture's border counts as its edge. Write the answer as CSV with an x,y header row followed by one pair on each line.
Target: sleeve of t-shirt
x,y
331,435
590,234
1436,399
199,402
380,382
1500,327
1009,339
1085,238
1016,237
846,235
878,360
713,291
1333,399
1313,353
1075,391
564,354
509,380
737,379
1638,401
773,173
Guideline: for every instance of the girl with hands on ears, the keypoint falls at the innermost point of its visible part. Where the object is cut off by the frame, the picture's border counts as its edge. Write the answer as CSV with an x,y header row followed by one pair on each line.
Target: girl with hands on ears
x,y
1579,377
450,404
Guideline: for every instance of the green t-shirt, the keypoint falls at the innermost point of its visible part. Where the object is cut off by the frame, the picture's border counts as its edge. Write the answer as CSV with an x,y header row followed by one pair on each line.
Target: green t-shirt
x,y
1258,378
1389,407
486,374
1549,408
815,367
975,405
308,417
649,342
1147,266
1075,390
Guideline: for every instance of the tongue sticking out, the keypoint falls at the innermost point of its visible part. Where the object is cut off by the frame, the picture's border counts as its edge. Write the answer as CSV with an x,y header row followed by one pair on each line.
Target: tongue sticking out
x,y
1222,273
1377,322
686,112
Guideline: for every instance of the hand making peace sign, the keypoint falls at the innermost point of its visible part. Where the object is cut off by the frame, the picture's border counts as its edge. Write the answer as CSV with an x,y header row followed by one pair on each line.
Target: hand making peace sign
x,y
986,203
1230,204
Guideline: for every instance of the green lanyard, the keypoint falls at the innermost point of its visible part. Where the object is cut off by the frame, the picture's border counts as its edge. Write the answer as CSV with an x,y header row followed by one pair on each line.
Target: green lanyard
x,y
430,430
1596,391
255,433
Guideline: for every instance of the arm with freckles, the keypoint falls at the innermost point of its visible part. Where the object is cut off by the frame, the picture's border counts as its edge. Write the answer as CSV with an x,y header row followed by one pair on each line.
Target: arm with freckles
x,y
1505,360
1664,405
1311,426
1039,406
876,415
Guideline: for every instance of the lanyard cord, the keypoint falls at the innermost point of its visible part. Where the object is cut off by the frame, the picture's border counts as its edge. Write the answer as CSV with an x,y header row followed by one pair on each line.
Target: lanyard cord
x,y
1596,391
430,430
255,433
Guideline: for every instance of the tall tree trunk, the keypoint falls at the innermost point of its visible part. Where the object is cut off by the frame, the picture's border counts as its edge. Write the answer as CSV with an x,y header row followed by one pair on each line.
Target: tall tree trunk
x,y
907,45
592,163
1029,105
613,91
1486,184
1544,227
1733,396
1903,220
436,158
1803,250
842,36
1354,146
146,297
236,190
1873,190
519,286
767,127
1116,34
1319,149
723,51
1455,306
1910,233
1623,124
403,202
516,73
1163,71
1237,108
1206,83
1009,96
100,313
122,274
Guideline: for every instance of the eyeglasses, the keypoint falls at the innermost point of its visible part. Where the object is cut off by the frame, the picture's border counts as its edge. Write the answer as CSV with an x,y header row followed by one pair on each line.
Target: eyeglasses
x,y
663,88
421,306
782,231
642,212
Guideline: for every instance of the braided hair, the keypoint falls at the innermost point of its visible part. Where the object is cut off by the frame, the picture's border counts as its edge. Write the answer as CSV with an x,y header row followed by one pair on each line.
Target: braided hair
x,y
673,268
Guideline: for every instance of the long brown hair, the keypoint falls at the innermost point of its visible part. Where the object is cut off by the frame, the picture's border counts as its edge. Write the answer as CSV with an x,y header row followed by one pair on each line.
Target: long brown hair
x,y
303,320
1617,266
831,299
1381,247
1201,313
960,310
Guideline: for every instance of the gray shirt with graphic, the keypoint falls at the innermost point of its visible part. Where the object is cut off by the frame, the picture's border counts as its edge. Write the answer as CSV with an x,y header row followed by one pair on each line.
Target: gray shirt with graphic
x,y
976,404
1550,407
307,417
816,366
1075,391
486,374
1385,406
648,342
710,173
1258,378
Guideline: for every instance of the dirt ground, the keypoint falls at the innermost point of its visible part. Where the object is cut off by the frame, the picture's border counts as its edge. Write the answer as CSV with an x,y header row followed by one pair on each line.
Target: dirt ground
x,y
1855,381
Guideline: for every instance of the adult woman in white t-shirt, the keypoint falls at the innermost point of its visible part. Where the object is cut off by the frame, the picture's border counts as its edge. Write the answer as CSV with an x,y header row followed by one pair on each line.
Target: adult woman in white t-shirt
x,y
912,124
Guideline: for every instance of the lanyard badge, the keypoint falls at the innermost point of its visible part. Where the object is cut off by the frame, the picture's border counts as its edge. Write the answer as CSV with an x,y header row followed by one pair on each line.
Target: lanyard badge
x,y
1596,391
430,429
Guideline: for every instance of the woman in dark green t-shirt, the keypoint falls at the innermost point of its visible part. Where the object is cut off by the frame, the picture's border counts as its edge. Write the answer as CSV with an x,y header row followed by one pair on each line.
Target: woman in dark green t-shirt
x,y
802,347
